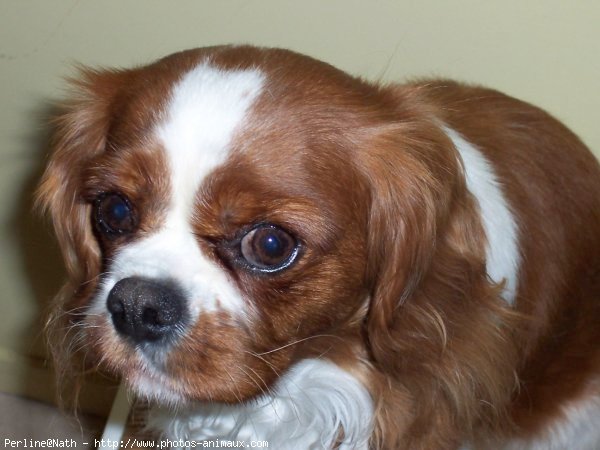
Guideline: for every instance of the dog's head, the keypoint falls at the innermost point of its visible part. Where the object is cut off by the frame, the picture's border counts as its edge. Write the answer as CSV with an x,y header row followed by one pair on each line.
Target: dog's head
x,y
226,212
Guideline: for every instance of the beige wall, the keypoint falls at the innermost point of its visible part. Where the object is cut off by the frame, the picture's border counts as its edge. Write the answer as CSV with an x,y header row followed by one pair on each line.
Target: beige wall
x,y
544,51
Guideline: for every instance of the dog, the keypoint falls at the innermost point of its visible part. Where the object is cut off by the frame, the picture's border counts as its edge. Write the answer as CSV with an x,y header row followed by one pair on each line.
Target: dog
x,y
268,248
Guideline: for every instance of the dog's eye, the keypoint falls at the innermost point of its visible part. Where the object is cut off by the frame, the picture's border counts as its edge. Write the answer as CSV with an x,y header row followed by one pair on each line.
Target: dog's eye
x,y
268,248
113,214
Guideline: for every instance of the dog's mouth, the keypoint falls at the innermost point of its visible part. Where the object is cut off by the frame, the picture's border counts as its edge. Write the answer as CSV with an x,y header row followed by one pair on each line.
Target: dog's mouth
x,y
209,361
155,385
133,327
142,366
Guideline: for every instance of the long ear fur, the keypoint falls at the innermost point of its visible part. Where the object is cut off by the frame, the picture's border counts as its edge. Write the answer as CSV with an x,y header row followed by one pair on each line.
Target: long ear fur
x,y
436,321
81,127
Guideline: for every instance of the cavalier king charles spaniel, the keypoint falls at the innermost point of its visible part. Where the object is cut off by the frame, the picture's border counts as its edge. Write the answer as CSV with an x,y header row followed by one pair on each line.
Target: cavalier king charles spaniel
x,y
268,248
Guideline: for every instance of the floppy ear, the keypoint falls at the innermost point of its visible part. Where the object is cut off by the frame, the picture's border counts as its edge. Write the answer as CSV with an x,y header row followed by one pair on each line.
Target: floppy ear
x,y
413,175
81,127
80,134
435,321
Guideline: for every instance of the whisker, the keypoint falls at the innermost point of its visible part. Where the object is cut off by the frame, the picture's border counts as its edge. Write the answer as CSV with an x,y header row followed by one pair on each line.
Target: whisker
x,y
258,356
238,396
273,396
298,342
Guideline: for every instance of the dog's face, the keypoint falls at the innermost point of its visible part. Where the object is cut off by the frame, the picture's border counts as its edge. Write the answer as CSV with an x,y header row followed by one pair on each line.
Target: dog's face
x,y
220,241
223,207
219,231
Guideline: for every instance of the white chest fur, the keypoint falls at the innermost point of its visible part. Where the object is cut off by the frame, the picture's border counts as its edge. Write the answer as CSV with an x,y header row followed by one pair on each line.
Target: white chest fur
x,y
306,409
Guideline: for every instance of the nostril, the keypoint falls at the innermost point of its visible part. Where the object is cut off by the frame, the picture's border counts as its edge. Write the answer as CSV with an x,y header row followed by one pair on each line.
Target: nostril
x,y
115,305
164,315
150,316
146,310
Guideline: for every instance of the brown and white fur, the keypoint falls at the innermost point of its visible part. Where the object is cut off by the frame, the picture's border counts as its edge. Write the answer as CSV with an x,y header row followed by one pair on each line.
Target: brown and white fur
x,y
444,293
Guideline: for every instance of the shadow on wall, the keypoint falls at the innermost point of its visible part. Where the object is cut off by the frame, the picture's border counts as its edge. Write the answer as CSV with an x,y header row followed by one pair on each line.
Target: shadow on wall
x,y
41,261
41,258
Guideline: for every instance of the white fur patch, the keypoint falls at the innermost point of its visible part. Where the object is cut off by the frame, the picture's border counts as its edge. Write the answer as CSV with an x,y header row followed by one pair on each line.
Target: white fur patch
x,y
578,430
206,107
503,256
151,384
306,409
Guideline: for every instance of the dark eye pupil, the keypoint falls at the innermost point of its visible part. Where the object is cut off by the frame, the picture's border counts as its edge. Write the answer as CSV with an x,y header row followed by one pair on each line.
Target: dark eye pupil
x,y
268,248
114,214
119,211
272,246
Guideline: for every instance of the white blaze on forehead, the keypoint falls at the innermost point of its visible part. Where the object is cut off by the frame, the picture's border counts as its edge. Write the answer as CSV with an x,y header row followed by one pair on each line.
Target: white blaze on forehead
x,y
206,107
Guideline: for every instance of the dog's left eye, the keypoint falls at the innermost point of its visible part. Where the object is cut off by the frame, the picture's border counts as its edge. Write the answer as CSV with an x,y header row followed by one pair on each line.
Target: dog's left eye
x,y
114,214
268,248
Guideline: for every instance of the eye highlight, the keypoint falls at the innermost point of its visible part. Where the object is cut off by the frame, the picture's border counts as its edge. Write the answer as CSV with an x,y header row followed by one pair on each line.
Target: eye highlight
x,y
114,215
268,248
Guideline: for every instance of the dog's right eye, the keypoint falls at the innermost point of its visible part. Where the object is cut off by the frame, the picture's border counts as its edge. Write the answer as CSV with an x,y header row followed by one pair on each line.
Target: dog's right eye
x,y
268,248
114,214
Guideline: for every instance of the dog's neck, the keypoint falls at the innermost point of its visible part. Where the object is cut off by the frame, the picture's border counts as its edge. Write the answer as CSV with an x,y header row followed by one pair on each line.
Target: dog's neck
x,y
315,405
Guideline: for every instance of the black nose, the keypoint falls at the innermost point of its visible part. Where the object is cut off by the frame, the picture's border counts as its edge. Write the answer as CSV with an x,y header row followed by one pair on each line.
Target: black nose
x,y
146,310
